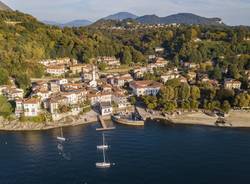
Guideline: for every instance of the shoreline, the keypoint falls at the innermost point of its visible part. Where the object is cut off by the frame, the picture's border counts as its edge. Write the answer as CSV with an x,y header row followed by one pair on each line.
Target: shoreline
x,y
235,119
17,126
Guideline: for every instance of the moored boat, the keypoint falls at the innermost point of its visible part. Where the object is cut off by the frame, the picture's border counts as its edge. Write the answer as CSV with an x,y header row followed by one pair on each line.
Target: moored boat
x,y
129,119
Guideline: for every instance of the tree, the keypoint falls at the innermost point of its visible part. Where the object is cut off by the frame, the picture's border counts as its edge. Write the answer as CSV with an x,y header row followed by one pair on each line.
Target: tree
x,y
138,57
226,106
217,74
233,71
184,92
195,92
5,107
23,81
126,57
242,100
133,100
167,93
169,106
4,76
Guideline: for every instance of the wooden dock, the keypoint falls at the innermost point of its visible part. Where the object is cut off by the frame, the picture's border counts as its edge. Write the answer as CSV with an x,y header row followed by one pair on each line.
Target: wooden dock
x,y
104,125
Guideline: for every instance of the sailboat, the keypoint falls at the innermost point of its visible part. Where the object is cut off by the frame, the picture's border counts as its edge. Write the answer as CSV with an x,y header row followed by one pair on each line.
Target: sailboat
x,y
103,164
61,138
103,146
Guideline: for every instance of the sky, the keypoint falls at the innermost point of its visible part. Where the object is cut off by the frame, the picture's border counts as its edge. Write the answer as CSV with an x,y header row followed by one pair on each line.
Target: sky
x,y
233,12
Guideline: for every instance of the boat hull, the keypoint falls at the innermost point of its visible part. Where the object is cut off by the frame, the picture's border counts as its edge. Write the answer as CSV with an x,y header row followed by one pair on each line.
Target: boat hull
x,y
127,122
103,165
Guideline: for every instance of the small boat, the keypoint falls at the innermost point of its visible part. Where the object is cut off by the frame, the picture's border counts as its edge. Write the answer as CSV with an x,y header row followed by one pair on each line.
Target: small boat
x,y
61,138
103,146
104,164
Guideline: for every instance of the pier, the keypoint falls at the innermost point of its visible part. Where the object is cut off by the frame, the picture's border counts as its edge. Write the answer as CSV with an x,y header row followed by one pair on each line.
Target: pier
x,y
103,124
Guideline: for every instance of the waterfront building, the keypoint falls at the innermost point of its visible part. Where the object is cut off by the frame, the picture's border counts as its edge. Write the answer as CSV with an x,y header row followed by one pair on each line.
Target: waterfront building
x,y
31,107
145,87
105,108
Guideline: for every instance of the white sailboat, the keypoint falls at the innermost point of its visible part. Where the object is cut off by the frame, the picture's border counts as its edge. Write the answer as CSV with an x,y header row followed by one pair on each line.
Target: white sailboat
x,y
61,138
103,146
103,164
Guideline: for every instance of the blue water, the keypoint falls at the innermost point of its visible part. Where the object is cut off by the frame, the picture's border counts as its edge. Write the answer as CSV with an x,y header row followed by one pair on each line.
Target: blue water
x,y
154,154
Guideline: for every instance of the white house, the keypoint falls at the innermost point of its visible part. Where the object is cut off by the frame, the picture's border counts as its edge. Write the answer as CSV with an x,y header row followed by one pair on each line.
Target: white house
x,y
31,107
145,87
106,108
56,70
96,97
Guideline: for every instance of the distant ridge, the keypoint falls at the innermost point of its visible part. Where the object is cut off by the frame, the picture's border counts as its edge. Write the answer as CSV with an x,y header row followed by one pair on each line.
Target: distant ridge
x,y
180,18
4,7
74,23
121,16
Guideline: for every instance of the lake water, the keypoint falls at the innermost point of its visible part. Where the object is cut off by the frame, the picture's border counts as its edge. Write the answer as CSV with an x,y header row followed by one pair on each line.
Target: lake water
x,y
156,153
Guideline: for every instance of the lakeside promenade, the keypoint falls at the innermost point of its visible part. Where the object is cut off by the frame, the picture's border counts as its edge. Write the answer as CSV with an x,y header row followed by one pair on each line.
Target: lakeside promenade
x,y
235,119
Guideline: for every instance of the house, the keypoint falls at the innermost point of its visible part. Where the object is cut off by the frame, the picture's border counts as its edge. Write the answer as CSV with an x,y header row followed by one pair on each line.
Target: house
x,y
139,72
160,62
110,61
55,102
107,88
191,76
189,65
172,74
61,61
159,49
61,81
96,97
232,84
31,107
105,108
71,87
120,98
42,94
13,93
39,85
120,81
56,70
54,87
151,57
145,87
80,68
19,107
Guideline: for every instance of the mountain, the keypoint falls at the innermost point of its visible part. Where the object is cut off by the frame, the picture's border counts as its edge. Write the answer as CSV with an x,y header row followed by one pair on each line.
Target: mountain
x,y
181,18
4,7
77,23
74,23
52,23
121,16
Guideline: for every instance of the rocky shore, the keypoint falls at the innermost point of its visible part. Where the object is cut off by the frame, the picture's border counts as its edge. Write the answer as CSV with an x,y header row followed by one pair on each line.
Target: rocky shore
x,y
16,125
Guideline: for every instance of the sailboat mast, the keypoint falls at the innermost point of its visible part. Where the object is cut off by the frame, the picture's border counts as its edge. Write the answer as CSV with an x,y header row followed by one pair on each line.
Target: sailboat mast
x,y
61,132
104,159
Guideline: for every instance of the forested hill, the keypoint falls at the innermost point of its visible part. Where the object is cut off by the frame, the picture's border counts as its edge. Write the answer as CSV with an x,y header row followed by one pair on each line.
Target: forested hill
x,y
24,41
4,7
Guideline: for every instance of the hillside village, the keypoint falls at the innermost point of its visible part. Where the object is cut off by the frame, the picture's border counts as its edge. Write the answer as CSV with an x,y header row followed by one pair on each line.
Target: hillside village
x,y
58,96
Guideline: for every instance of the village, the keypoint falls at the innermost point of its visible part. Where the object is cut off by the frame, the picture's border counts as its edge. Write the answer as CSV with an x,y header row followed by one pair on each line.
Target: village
x,y
58,97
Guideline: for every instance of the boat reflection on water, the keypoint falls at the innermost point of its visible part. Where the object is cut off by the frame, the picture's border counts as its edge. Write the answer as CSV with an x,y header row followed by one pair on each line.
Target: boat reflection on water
x,y
60,147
